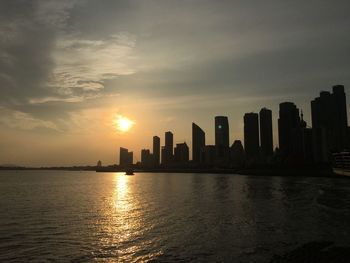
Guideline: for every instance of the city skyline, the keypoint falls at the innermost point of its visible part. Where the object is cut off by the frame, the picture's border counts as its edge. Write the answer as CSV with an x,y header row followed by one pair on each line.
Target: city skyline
x,y
298,142
80,78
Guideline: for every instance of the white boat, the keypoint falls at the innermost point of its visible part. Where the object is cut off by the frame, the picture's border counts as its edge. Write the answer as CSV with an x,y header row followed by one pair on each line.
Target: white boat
x,y
341,163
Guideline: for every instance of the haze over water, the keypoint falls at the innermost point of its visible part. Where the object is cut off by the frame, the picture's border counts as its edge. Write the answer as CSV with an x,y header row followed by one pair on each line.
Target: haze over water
x,y
84,216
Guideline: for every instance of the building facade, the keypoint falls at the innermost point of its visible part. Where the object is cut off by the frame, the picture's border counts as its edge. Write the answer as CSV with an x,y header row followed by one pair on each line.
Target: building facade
x,y
198,142
329,123
266,134
251,135
156,151
222,138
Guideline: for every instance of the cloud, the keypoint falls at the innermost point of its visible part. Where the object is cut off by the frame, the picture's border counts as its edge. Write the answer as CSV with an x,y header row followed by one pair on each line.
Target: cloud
x,y
23,121
26,43
83,65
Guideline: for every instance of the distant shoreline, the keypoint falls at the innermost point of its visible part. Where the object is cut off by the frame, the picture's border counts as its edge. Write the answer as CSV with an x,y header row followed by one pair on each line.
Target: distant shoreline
x,y
273,171
290,172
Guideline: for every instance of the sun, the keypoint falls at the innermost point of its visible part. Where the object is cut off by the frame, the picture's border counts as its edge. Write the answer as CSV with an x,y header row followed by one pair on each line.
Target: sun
x,y
123,124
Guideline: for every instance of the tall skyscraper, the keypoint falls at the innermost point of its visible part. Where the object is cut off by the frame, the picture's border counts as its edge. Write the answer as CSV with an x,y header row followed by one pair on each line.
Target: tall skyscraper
x,y
251,135
222,139
266,141
288,129
156,150
341,118
167,156
329,123
125,157
198,142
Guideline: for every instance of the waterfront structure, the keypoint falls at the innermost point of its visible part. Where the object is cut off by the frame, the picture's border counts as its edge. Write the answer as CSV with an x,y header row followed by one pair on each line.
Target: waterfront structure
x,y
221,138
125,157
329,123
99,163
156,151
251,135
208,155
198,142
237,154
288,126
266,135
146,158
181,153
306,138
167,150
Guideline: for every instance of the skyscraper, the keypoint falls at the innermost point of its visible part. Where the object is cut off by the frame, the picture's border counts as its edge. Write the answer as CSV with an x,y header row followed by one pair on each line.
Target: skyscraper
x,y
288,127
266,141
146,158
306,138
222,139
251,135
156,150
125,157
329,123
181,155
208,155
237,154
198,142
167,156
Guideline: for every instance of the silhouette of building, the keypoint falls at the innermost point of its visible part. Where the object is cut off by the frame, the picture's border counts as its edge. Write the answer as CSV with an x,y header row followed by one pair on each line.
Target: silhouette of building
x,y
181,153
222,139
288,127
306,138
208,155
251,135
146,158
329,123
266,137
237,154
125,157
156,151
99,163
198,142
167,150
163,155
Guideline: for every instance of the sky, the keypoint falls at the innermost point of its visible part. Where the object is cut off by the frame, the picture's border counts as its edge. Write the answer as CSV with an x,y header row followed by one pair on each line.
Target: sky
x,y
68,68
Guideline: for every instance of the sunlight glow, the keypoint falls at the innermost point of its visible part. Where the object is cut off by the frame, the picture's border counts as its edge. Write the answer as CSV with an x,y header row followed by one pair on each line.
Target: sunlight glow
x,y
123,124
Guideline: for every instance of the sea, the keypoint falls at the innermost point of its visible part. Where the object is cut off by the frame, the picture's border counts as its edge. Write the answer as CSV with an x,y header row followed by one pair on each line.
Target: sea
x,y
73,216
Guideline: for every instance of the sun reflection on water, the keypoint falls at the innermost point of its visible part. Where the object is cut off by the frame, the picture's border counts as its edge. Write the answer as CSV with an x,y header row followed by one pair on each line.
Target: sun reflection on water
x,y
125,224
121,197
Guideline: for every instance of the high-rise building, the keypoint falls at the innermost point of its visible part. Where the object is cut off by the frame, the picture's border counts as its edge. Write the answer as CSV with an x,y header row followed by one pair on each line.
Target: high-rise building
x,y
266,141
306,138
251,135
208,155
198,142
146,158
156,150
288,129
181,155
329,123
125,157
237,154
168,155
222,139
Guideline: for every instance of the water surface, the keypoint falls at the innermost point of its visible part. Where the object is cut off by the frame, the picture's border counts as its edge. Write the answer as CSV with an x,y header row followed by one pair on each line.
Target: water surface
x,y
106,217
